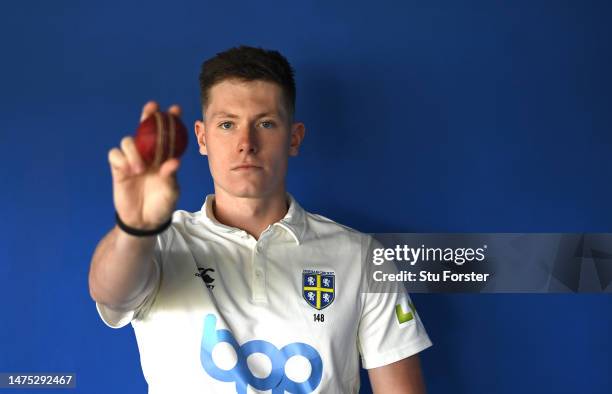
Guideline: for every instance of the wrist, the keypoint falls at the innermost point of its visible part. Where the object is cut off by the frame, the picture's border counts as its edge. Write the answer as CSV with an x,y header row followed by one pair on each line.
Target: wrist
x,y
140,232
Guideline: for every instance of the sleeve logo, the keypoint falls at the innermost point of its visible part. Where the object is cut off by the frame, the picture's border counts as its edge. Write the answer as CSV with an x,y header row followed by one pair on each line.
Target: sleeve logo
x,y
404,315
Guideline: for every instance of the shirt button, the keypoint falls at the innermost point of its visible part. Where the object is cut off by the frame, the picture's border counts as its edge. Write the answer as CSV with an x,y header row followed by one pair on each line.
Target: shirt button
x,y
258,249
258,273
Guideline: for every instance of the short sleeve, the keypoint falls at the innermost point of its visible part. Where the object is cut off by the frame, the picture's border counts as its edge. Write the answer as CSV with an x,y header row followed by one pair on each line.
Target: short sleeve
x,y
390,328
120,318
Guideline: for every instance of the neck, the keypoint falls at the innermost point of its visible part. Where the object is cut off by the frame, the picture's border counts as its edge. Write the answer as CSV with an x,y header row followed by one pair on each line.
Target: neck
x,y
252,215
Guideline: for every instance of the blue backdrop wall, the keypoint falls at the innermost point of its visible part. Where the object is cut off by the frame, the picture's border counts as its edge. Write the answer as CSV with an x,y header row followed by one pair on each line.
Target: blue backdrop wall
x,y
437,116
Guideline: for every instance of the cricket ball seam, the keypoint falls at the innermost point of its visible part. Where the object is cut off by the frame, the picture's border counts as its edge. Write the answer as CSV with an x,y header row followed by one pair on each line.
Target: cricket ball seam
x,y
160,135
172,135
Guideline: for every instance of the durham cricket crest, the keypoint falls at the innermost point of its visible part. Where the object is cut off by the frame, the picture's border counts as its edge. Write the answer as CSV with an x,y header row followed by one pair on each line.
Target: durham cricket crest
x,y
318,288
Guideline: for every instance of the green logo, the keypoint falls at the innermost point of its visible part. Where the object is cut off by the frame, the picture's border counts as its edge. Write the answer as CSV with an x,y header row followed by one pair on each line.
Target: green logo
x,y
402,316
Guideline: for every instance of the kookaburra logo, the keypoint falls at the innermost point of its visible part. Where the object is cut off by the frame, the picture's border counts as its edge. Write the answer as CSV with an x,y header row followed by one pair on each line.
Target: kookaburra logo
x,y
208,280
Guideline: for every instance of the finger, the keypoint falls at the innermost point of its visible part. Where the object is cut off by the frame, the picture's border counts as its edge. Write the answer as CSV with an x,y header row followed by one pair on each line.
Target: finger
x,y
175,110
118,162
169,167
131,153
149,108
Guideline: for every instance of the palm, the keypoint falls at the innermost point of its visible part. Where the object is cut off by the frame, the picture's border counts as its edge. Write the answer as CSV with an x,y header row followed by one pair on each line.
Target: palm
x,y
161,195
147,199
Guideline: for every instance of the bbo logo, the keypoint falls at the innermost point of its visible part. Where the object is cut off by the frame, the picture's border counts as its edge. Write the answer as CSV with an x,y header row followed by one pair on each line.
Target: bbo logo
x,y
277,381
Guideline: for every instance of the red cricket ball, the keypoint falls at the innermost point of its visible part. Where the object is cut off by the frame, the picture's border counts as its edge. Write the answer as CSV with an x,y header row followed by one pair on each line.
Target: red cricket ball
x,y
160,137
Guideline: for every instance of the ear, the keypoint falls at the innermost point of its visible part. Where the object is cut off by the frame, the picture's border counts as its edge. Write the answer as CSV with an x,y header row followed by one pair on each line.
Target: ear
x,y
297,136
200,132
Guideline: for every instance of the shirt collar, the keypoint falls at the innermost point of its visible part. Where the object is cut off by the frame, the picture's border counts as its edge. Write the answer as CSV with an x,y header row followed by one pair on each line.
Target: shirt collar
x,y
292,222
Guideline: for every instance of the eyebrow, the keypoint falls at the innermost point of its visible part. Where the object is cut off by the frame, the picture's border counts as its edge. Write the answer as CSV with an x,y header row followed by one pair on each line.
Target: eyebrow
x,y
233,116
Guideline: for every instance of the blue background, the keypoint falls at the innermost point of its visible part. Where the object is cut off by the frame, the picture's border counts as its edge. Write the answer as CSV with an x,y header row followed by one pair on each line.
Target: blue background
x,y
422,116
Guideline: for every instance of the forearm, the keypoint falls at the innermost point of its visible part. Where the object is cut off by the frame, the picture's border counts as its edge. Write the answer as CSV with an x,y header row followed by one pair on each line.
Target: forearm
x,y
402,377
121,269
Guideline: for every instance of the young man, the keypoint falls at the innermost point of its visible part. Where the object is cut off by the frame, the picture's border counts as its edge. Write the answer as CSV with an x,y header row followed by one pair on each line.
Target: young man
x,y
251,293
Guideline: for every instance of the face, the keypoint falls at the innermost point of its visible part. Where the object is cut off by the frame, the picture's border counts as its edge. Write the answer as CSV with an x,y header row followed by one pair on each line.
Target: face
x,y
248,137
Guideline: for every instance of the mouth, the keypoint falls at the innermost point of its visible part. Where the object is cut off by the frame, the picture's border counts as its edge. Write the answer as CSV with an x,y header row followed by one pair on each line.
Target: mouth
x,y
246,167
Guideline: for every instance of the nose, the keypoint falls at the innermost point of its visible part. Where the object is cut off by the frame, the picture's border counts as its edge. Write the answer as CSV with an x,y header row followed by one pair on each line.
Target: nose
x,y
247,140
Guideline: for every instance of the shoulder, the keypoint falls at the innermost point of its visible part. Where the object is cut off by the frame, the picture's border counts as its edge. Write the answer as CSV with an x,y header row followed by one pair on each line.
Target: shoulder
x,y
181,222
180,216
321,227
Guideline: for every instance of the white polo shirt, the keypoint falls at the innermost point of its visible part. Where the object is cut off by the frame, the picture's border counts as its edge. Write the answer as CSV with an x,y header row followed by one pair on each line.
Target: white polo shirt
x,y
285,313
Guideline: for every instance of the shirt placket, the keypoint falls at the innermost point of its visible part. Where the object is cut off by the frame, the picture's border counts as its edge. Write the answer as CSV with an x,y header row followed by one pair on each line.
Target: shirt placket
x,y
258,268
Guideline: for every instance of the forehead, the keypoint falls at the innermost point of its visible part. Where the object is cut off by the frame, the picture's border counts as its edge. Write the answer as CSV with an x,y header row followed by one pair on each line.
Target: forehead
x,y
242,97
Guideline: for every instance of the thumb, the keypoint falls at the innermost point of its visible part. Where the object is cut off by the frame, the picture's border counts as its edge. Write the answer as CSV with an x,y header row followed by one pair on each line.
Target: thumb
x,y
169,167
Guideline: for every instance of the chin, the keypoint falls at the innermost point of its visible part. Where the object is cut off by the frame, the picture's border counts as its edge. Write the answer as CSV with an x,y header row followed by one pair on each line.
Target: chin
x,y
247,191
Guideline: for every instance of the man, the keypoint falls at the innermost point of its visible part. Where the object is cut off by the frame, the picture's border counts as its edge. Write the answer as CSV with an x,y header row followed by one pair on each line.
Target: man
x,y
251,292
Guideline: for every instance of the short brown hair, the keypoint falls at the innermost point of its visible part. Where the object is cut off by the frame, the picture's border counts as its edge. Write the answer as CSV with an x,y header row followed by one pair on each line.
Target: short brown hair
x,y
249,64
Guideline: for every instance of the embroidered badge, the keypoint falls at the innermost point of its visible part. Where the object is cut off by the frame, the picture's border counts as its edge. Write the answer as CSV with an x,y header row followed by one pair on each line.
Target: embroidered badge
x,y
318,288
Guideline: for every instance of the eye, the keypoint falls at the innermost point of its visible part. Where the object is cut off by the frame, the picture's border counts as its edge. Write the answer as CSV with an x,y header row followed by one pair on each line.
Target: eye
x,y
267,124
226,125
